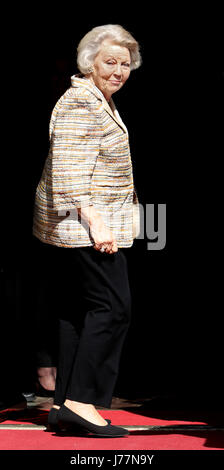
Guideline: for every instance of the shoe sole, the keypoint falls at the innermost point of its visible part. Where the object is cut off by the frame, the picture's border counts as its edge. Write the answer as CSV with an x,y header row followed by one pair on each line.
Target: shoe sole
x,y
80,432
107,435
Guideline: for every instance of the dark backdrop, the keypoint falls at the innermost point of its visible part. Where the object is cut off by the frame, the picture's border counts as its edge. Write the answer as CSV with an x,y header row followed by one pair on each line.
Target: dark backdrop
x,y
173,108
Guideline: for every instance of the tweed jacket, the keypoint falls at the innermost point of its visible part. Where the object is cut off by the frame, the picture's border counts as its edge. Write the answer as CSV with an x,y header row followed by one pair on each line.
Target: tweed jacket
x,y
88,163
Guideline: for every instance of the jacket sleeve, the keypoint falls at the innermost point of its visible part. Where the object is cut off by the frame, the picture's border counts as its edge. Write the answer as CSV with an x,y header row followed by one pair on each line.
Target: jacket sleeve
x,y
75,142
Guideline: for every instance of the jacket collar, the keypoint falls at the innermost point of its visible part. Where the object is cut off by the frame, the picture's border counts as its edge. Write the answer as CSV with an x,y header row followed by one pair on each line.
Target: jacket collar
x,y
79,80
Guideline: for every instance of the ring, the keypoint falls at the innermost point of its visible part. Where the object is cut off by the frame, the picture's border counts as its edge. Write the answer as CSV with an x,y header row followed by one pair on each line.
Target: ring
x,y
102,249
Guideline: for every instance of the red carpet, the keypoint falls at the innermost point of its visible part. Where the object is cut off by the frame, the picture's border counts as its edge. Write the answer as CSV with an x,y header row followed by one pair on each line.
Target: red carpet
x,y
118,417
140,440
184,439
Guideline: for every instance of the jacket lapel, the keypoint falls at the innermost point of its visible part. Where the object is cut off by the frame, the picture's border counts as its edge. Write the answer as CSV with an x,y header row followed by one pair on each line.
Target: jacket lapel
x,y
80,80
112,110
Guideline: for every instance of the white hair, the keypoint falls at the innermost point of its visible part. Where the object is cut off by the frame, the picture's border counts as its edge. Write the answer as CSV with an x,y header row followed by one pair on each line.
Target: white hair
x,y
89,45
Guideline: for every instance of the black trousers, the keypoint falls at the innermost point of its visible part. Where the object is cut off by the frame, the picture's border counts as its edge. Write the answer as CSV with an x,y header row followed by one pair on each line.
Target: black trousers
x,y
93,305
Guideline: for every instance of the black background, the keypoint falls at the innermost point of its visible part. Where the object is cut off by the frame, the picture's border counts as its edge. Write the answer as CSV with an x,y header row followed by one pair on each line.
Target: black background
x,y
173,108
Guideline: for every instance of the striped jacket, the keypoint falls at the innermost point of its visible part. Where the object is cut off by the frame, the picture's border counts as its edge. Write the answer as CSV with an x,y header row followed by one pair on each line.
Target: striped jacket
x,y
88,163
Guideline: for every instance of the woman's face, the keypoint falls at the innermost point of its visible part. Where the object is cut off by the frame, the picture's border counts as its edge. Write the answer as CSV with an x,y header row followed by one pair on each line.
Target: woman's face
x,y
111,68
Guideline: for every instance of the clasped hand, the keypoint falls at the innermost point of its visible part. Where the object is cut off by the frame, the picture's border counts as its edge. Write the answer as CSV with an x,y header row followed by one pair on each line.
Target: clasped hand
x,y
103,238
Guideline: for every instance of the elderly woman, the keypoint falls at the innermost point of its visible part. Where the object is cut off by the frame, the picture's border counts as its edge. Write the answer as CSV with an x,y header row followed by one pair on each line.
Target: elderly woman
x,y
85,201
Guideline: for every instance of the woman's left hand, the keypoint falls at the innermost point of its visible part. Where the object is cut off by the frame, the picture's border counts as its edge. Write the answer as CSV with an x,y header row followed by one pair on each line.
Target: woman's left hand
x,y
104,239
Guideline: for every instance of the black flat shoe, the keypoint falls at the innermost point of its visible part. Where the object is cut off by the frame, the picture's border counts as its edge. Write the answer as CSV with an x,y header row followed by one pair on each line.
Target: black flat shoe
x,y
65,415
54,425
52,420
